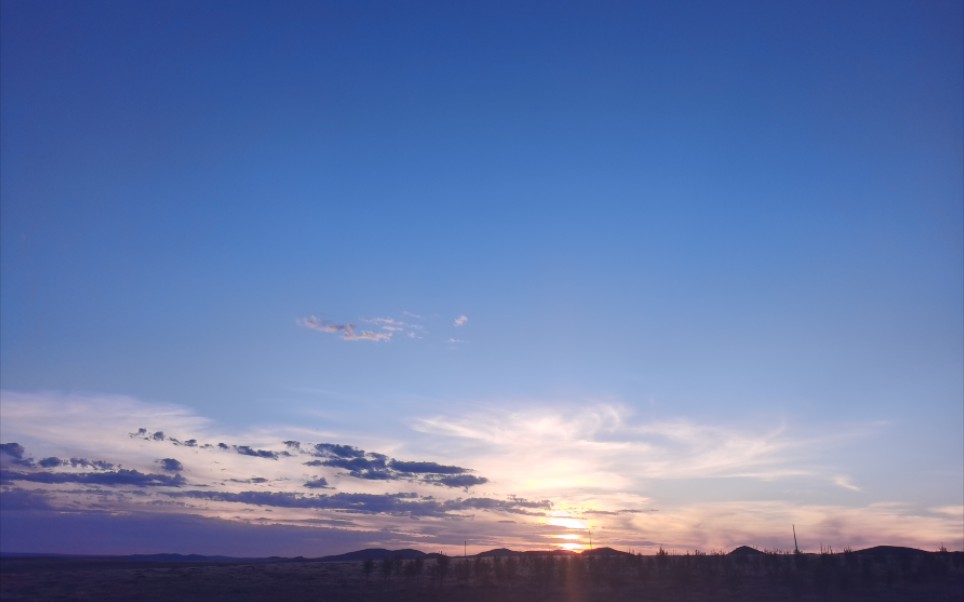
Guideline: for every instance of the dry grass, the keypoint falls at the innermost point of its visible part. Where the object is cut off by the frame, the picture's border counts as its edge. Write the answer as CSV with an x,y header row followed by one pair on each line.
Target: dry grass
x,y
840,577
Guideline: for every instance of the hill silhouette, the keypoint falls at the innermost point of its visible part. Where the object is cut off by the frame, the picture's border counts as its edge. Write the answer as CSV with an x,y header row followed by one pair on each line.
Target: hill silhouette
x,y
375,554
411,554
746,551
881,573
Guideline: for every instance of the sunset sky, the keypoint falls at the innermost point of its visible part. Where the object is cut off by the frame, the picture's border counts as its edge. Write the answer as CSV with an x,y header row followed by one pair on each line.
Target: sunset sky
x,y
298,278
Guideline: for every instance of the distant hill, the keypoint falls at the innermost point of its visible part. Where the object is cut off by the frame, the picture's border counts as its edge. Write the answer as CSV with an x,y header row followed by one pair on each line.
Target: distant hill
x,y
498,552
604,552
375,554
893,551
378,554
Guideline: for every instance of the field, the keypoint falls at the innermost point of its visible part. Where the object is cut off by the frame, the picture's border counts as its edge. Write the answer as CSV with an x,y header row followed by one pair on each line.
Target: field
x,y
512,577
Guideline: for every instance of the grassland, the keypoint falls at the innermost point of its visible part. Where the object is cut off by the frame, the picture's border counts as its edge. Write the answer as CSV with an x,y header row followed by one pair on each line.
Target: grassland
x,y
882,576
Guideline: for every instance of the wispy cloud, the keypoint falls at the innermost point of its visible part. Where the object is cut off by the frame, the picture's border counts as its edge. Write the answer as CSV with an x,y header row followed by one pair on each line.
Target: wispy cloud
x,y
383,328
122,476
320,325
365,335
380,329
536,472
393,325
599,447
845,482
347,330
137,470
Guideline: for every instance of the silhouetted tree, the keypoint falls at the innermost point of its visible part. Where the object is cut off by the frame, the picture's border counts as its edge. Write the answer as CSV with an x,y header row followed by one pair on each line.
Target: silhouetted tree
x,y
414,568
511,568
483,571
442,562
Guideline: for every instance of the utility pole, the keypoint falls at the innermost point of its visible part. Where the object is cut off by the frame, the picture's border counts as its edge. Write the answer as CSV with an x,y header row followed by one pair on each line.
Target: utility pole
x,y
590,538
796,548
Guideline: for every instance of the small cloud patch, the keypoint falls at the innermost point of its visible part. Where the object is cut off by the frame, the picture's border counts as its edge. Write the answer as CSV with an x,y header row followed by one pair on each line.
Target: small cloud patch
x,y
347,331
171,465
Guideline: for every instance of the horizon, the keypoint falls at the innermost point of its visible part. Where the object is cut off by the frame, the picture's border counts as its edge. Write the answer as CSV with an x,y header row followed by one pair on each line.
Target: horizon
x,y
306,276
825,551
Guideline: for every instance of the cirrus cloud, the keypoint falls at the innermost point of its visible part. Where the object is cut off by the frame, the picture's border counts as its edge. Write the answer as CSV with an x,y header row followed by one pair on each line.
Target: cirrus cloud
x,y
551,471
348,331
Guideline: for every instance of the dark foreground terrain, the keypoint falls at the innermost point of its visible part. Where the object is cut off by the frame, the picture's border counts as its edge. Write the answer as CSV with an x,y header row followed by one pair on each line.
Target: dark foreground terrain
x,y
879,574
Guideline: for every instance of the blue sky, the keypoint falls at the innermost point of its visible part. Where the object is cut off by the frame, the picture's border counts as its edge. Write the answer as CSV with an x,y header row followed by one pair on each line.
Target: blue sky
x,y
709,258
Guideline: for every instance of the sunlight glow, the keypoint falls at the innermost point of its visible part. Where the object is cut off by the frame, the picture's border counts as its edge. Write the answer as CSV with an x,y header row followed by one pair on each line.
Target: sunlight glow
x,y
566,522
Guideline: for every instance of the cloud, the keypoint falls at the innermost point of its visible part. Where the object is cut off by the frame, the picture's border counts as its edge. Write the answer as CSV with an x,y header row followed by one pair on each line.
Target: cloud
x,y
388,503
54,461
389,324
601,435
461,480
71,425
14,450
379,467
348,331
172,465
15,498
406,503
419,467
596,455
320,325
357,462
846,483
365,335
13,453
375,462
119,477
592,463
244,450
335,449
383,328
257,453
513,505
260,479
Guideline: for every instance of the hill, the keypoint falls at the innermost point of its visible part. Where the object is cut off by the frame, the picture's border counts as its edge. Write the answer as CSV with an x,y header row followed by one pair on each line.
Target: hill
x,y
375,554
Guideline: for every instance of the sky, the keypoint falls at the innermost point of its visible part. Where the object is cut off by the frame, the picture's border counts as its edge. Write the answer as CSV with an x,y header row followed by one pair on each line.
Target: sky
x,y
298,278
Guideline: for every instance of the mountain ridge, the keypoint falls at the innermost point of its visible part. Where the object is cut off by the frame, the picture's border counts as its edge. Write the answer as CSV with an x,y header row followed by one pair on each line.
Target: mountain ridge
x,y
378,554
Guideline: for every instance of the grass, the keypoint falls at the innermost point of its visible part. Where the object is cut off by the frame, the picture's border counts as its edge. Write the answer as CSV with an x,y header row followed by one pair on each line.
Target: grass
x,y
825,577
